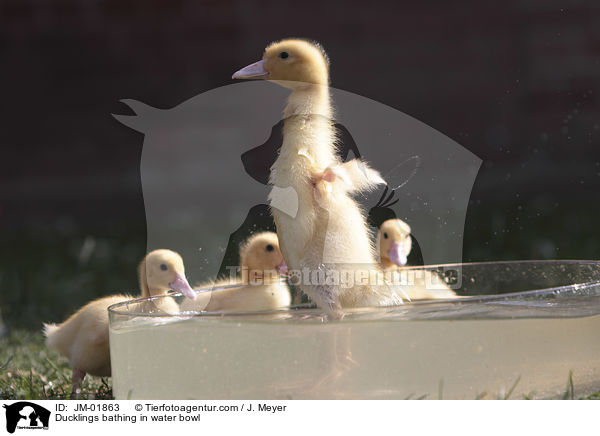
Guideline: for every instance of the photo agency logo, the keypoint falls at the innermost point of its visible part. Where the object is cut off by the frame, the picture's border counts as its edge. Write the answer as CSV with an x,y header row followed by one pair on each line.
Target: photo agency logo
x,y
24,415
364,187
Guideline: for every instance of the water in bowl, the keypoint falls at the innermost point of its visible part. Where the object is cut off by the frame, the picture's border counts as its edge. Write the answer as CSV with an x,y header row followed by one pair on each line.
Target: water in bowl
x,y
522,329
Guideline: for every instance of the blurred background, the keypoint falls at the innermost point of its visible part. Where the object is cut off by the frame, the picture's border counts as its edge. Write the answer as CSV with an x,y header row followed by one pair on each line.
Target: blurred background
x,y
517,83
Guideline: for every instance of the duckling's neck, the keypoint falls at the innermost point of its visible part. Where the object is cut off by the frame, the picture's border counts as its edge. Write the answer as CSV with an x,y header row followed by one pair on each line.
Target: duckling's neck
x,y
147,291
308,132
309,100
143,280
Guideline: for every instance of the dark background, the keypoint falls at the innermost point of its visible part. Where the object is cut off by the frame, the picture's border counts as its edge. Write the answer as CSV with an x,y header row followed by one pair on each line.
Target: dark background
x,y
516,83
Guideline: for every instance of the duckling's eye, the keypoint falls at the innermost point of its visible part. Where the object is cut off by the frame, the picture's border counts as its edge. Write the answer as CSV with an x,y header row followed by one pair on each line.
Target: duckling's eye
x,y
270,247
164,267
284,55
385,236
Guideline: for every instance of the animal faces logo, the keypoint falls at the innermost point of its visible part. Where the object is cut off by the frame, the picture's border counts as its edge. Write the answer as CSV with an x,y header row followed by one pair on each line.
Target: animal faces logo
x,y
206,165
26,415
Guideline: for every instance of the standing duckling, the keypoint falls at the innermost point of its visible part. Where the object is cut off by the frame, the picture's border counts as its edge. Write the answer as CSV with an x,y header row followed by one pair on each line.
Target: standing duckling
x,y
394,244
327,233
260,286
83,337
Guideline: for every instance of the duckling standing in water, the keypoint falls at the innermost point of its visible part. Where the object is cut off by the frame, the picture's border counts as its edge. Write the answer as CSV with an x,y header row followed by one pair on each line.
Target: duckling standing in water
x,y
83,337
328,233
260,286
394,245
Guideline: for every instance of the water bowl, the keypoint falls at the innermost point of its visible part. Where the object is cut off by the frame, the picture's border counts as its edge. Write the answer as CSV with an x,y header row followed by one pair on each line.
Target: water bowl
x,y
521,330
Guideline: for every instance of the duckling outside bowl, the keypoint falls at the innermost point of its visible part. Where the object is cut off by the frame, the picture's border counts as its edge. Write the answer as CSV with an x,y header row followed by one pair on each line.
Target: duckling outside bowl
x,y
521,330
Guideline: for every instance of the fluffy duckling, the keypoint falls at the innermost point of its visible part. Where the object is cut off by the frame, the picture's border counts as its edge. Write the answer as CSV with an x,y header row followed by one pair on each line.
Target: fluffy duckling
x,y
260,285
83,337
328,232
394,244
159,272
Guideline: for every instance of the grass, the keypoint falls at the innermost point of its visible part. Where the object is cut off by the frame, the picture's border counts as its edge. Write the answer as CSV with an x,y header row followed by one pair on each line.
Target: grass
x,y
570,389
512,388
46,275
30,371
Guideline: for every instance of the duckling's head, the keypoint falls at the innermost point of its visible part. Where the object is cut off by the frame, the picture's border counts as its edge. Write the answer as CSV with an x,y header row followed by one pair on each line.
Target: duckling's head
x,y
261,254
162,270
394,242
291,63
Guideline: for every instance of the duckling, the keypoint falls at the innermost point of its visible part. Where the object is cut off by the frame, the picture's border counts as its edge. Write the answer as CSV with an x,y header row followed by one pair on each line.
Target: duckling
x,y
394,245
83,337
328,233
260,286
159,272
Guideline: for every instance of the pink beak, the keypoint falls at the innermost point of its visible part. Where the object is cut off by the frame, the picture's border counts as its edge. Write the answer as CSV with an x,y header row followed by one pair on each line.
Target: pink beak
x,y
397,254
180,284
253,71
282,267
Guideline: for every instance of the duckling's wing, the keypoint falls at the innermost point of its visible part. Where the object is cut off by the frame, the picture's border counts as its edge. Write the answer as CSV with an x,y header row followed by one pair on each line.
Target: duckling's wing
x,y
361,175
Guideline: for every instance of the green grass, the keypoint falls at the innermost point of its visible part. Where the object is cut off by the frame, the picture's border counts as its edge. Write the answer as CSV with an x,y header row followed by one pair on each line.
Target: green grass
x,y
30,371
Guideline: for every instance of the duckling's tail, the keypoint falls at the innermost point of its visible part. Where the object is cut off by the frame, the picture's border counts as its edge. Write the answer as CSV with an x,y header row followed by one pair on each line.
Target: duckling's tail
x,y
60,337
50,333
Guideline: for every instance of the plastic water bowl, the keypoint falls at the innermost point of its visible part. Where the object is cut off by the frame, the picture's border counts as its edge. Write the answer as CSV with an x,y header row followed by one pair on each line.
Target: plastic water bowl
x,y
523,330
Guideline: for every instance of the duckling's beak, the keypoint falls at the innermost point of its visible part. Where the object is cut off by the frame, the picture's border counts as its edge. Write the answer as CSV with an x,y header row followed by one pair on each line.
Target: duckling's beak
x,y
254,71
282,267
181,284
397,254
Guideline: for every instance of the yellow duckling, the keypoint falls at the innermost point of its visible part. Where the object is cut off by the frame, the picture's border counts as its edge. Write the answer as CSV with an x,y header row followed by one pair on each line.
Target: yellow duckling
x,y
260,285
83,337
394,245
326,233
